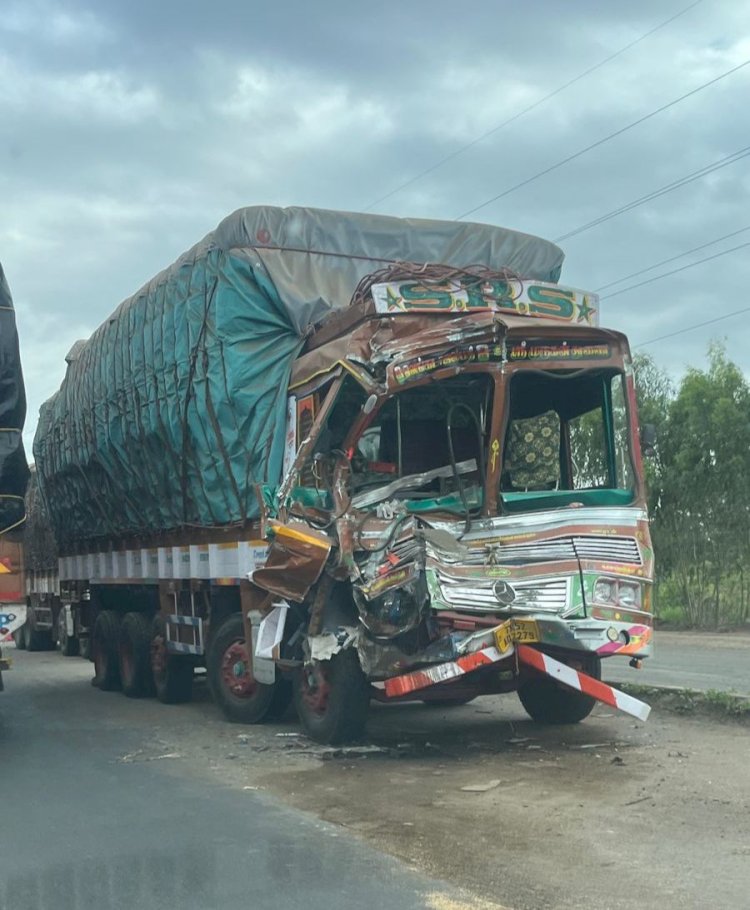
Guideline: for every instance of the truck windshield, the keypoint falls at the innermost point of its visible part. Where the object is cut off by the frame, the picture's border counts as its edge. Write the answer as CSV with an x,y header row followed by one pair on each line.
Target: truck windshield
x,y
567,441
439,425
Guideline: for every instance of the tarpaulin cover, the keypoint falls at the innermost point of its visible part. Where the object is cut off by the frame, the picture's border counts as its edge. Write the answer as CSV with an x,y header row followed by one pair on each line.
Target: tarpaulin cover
x,y
175,406
14,470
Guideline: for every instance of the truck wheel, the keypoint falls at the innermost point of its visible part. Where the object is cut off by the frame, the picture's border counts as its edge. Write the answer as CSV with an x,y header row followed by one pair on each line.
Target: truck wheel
x,y
19,637
547,702
172,674
106,645
135,655
332,697
240,697
68,643
35,639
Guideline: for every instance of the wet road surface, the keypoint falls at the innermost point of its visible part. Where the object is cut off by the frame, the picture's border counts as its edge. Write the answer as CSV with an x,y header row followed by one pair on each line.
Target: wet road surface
x,y
86,825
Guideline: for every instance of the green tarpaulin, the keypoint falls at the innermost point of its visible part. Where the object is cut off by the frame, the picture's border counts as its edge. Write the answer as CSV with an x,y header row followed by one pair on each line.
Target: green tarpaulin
x,y
175,406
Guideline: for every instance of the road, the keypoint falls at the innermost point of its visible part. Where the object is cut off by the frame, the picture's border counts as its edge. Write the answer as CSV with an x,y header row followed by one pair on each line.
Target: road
x,y
111,802
86,825
692,660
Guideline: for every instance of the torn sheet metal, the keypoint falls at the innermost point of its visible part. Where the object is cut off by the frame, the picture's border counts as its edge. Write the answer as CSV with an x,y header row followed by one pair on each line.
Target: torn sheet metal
x,y
271,632
325,645
371,497
296,558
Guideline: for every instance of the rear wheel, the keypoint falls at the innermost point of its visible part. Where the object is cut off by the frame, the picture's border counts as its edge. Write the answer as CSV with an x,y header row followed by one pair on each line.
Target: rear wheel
x,y
241,697
172,675
106,642
135,655
19,637
332,697
547,702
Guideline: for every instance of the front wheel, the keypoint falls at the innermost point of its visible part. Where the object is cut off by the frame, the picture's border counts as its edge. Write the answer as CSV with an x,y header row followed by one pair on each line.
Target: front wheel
x,y
241,697
332,698
547,702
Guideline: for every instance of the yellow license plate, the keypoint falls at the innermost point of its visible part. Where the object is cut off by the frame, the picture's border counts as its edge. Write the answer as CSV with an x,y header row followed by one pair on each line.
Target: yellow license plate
x,y
524,631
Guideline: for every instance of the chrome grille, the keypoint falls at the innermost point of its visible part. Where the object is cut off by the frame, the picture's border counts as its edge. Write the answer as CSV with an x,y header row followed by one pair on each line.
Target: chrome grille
x,y
600,549
531,597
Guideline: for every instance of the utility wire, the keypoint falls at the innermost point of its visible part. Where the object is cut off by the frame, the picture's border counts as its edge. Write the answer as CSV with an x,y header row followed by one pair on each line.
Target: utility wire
x,y
682,268
610,136
531,107
690,328
661,191
656,265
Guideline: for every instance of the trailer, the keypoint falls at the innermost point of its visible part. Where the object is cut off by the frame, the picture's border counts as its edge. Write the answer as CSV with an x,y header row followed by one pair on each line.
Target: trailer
x,y
14,473
335,458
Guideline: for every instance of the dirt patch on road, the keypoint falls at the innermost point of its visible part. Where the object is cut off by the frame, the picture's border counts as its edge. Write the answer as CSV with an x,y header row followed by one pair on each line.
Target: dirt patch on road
x,y
609,814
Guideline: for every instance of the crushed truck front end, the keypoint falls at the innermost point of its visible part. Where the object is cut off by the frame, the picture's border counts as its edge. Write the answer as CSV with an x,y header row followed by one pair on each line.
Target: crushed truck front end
x,y
467,467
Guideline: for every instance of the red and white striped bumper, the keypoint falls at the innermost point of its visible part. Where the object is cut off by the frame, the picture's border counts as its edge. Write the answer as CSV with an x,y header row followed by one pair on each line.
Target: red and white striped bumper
x,y
574,679
560,672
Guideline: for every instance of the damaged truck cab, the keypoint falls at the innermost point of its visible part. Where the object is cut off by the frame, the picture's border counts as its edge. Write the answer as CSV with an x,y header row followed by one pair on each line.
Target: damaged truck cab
x,y
462,509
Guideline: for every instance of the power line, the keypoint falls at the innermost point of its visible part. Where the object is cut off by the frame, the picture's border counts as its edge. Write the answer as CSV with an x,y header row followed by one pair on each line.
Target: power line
x,y
661,191
656,265
531,107
698,325
593,145
690,265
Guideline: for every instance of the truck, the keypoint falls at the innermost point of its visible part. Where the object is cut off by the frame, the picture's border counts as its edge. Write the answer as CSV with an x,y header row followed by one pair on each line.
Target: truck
x,y
336,458
14,473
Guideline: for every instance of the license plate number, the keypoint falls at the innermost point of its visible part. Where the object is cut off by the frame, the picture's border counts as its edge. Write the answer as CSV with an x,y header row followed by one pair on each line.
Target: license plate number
x,y
525,631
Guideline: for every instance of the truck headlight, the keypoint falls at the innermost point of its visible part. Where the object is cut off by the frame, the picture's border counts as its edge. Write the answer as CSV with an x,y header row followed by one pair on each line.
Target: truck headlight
x,y
616,593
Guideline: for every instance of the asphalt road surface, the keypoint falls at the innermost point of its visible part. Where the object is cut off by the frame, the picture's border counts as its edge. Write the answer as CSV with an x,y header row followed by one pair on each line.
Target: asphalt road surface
x,y
691,660
110,802
86,826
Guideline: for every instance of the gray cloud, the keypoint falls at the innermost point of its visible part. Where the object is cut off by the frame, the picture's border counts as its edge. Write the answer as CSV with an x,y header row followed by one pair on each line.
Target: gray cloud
x,y
130,129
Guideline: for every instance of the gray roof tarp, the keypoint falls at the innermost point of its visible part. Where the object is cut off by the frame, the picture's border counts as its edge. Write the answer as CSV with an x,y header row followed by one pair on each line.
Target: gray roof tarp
x,y
14,470
175,406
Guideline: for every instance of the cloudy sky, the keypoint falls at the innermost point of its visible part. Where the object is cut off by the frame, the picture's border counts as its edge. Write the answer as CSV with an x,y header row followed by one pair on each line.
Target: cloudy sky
x,y
129,128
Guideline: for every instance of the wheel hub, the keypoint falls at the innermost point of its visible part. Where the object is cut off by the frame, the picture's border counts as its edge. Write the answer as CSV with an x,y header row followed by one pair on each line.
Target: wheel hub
x,y
235,671
316,689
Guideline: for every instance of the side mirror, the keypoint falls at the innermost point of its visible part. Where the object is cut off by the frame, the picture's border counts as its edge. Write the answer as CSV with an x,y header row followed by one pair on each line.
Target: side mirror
x,y
648,440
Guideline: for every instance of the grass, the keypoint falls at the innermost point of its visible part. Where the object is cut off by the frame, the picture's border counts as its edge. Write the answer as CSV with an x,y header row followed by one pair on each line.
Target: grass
x,y
715,704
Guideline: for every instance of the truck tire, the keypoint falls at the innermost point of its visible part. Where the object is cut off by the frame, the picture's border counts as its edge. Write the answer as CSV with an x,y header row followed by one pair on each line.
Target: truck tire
x,y
68,643
19,637
37,639
547,702
240,697
135,655
172,674
106,645
332,698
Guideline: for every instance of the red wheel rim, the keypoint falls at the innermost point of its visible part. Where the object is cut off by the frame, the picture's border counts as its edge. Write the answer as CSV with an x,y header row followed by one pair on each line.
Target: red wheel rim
x,y
316,689
158,655
236,673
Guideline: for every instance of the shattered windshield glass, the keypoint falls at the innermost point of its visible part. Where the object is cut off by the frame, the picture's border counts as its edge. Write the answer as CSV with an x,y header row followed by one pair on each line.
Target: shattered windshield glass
x,y
567,432
427,443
